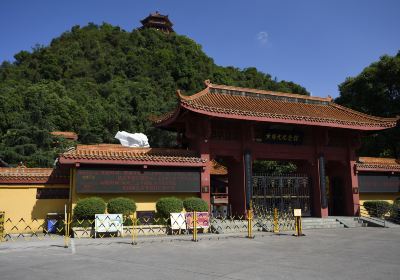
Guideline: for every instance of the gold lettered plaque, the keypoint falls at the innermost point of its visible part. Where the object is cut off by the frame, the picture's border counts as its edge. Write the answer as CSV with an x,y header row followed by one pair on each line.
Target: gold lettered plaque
x,y
297,212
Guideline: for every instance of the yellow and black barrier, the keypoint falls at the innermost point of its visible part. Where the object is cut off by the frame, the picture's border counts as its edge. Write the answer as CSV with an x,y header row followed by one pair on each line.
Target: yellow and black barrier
x,y
134,228
250,223
2,217
276,221
194,226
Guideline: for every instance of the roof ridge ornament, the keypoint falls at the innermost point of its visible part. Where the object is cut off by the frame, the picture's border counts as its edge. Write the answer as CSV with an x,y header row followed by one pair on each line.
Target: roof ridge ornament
x,y
207,83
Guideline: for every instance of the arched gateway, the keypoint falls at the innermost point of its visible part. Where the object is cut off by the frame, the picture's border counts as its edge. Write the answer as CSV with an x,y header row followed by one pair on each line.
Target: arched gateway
x,y
241,125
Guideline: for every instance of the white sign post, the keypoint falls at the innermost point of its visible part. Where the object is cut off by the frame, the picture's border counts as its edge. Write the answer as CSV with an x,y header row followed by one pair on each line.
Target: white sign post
x,y
178,221
106,223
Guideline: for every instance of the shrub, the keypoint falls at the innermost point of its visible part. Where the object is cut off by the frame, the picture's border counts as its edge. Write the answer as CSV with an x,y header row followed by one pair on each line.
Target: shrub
x,y
377,208
121,205
395,212
87,208
167,205
195,204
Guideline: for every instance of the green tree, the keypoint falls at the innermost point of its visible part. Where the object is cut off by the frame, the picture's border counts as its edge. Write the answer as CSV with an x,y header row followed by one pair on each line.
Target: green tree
x,y
376,91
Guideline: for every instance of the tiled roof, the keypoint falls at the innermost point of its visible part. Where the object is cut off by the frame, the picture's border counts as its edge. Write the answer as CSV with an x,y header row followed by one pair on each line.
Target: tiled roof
x,y
66,134
31,175
217,168
371,163
261,105
116,152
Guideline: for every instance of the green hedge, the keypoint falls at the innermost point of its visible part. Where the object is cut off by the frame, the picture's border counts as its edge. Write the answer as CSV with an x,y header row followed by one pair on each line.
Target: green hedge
x,y
121,205
395,212
87,208
167,205
377,208
195,204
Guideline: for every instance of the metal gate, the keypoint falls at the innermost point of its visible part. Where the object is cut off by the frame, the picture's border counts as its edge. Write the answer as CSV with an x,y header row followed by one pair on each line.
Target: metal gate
x,y
284,192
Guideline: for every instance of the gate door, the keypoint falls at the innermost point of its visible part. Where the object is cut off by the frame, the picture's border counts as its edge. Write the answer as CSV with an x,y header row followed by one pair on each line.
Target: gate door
x,y
284,192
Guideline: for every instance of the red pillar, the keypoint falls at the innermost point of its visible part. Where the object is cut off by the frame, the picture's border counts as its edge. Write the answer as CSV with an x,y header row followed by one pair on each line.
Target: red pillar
x,y
317,210
320,140
199,133
205,176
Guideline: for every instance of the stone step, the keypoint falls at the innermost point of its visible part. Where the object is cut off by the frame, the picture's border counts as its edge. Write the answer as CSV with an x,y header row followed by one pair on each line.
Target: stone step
x,y
319,222
323,226
308,220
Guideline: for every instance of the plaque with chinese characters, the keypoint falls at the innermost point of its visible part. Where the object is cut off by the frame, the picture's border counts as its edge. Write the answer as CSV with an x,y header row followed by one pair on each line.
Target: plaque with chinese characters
x,y
273,136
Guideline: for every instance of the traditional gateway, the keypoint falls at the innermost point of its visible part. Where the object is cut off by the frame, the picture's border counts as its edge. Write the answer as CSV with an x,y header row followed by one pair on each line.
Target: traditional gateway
x,y
236,126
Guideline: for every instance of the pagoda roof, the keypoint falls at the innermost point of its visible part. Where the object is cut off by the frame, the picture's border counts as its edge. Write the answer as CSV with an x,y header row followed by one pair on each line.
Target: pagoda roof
x,y
378,164
157,19
118,154
230,102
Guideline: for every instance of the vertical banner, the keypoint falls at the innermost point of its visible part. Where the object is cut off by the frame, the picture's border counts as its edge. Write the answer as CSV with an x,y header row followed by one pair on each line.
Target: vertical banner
x,y
322,181
248,177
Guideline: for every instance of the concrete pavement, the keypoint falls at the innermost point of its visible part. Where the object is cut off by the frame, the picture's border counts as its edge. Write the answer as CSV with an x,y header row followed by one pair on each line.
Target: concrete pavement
x,y
359,253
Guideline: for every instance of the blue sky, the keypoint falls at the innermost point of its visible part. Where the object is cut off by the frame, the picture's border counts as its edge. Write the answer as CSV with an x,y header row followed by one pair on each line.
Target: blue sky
x,y
314,43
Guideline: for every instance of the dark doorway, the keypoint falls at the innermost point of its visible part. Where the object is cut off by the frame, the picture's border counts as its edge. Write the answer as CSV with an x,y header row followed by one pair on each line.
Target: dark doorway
x,y
336,197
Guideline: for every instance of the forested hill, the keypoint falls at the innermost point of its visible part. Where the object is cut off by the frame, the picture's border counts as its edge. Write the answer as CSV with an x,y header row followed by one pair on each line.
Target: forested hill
x,y
96,80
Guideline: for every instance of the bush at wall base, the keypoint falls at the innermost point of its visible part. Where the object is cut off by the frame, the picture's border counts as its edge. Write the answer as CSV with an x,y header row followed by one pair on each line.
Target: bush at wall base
x,y
124,206
377,208
87,208
167,205
195,204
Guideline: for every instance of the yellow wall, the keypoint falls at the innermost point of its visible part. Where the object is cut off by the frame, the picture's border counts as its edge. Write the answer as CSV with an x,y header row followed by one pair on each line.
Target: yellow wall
x,y
389,197
19,202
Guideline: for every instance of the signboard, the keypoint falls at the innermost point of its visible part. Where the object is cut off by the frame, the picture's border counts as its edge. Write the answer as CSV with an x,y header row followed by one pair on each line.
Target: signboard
x,y
274,136
136,179
378,183
178,221
108,223
297,212
203,220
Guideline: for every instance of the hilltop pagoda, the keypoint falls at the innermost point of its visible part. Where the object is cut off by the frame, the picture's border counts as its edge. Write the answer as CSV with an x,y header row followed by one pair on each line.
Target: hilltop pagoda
x,y
157,21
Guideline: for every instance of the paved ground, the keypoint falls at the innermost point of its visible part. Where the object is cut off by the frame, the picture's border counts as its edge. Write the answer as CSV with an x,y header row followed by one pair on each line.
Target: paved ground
x,y
360,253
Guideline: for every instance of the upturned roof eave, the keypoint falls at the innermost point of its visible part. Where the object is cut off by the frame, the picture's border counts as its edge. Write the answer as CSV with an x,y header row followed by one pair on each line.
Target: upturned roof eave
x,y
165,122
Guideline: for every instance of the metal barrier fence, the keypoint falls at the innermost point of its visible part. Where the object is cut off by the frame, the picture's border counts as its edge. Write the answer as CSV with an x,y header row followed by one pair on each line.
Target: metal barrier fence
x,y
191,224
